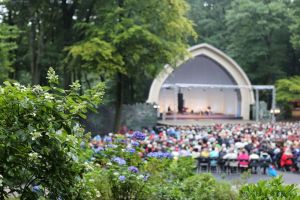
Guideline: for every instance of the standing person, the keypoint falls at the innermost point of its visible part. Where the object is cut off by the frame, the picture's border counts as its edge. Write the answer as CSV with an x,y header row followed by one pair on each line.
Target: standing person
x,y
254,161
222,161
265,160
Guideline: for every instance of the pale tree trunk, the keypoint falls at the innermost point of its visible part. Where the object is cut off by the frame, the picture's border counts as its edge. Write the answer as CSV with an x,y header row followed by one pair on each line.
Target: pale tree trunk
x,y
40,50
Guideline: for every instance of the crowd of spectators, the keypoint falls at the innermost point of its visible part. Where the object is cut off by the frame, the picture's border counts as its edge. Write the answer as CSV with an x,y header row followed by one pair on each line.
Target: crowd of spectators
x,y
236,145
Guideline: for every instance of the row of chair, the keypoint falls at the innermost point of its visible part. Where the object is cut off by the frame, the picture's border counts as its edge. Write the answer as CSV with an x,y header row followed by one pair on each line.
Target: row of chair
x,y
219,165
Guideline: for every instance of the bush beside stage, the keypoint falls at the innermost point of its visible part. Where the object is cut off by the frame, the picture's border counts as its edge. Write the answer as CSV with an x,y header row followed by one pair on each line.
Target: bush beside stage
x,y
134,117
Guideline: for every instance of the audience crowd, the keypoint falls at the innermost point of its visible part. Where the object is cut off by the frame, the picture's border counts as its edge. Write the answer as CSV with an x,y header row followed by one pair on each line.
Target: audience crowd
x,y
255,145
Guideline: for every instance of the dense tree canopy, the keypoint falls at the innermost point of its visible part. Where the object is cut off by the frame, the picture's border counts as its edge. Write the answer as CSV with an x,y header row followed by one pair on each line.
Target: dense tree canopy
x,y
209,18
262,36
125,42
133,40
257,34
259,38
295,27
288,89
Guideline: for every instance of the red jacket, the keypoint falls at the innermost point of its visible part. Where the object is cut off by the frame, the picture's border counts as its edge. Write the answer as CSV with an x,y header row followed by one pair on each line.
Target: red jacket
x,y
286,160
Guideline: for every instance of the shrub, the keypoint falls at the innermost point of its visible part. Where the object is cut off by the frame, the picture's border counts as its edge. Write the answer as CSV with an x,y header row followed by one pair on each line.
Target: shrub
x,y
163,183
167,190
176,180
96,184
183,168
205,187
122,169
269,189
40,139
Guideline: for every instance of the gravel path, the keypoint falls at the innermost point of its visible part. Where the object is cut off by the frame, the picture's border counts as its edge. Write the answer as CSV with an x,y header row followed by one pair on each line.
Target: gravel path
x,y
288,177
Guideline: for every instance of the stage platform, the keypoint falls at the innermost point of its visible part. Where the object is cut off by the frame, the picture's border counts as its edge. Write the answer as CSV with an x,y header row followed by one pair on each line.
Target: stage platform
x,y
202,122
198,116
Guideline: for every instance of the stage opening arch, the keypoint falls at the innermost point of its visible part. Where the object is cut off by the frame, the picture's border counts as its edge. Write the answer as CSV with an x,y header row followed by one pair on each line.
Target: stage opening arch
x,y
207,84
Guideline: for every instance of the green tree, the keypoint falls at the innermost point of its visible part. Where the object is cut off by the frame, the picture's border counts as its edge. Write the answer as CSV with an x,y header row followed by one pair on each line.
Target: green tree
x,y
295,38
8,35
295,26
47,27
259,38
288,89
133,39
209,19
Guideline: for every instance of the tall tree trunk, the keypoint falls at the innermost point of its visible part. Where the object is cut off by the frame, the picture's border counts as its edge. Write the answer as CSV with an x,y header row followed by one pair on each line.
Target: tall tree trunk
x,y
87,81
79,77
32,48
36,49
132,92
268,41
294,64
33,51
68,11
119,101
40,50
12,75
120,88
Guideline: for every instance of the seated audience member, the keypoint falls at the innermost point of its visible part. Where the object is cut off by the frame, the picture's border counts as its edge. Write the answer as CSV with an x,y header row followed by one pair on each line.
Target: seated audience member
x,y
254,155
213,155
222,161
243,159
185,152
195,153
204,153
231,155
286,160
224,140
231,158
222,152
254,161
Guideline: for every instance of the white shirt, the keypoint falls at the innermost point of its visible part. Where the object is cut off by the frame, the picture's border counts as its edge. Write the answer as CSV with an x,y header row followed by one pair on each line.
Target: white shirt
x,y
254,157
230,156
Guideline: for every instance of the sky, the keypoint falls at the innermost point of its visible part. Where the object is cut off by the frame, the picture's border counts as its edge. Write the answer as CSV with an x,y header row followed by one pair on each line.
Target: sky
x,y
2,11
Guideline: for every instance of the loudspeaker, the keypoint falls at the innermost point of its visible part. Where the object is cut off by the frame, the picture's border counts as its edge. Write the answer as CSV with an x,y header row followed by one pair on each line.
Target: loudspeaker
x,y
180,102
269,102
